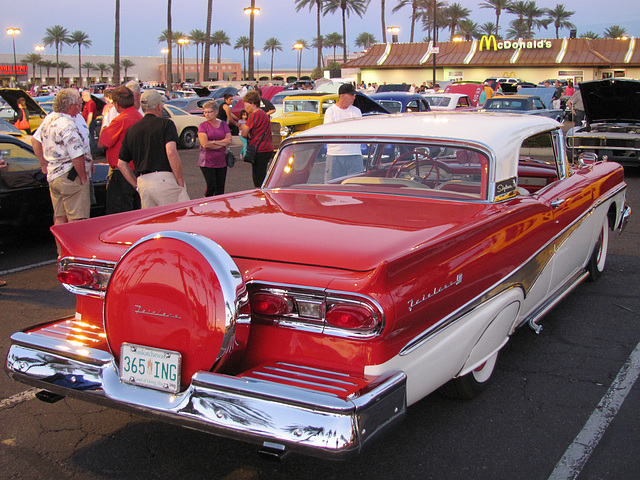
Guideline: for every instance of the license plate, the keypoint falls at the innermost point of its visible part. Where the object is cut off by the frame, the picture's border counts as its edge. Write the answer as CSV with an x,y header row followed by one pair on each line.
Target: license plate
x,y
150,367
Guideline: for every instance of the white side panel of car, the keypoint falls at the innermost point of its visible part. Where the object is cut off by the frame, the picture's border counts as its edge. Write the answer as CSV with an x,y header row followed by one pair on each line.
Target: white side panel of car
x,y
442,356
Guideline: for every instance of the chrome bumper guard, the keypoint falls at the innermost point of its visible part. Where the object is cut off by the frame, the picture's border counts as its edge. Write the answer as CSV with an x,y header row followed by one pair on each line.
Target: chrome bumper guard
x,y
252,410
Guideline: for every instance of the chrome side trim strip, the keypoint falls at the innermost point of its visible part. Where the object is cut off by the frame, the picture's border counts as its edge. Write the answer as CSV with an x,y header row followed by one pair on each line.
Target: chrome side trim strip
x,y
258,411
522,277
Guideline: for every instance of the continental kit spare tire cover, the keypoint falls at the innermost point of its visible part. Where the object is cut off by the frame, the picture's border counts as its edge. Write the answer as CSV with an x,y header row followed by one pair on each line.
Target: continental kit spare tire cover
x,y
175,291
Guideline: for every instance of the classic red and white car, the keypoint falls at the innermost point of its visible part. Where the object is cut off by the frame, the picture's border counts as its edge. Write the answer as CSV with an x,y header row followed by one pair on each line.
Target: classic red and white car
x,y
307,315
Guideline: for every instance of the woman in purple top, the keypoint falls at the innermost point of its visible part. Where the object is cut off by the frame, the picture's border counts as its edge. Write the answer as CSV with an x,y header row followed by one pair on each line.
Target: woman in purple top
x,y
215,137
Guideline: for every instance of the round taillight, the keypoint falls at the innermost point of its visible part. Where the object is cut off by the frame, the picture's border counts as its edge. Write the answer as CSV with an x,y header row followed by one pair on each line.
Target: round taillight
x,y
270,304
350,316
77,277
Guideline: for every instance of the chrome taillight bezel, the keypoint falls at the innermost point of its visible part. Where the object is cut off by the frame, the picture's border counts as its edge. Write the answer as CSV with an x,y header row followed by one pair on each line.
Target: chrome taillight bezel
x,y
320,301
101,270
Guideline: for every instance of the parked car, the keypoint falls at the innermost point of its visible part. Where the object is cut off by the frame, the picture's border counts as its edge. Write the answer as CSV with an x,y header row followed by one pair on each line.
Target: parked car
x,y
278,100
7,128
192,105
24,192
301,112
612,130
449,101
525,104
186,124
307,315
493,82
36,113
400,102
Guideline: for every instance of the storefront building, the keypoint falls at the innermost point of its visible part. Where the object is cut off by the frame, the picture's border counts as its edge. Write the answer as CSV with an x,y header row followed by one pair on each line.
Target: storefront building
x,y
578,59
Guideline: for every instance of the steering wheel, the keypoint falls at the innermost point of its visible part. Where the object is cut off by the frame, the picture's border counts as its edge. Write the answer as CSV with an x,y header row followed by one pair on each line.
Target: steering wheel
x,y
405,163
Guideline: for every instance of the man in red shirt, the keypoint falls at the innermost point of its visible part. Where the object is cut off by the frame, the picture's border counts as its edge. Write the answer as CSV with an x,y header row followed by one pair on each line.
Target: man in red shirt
x,y
121,196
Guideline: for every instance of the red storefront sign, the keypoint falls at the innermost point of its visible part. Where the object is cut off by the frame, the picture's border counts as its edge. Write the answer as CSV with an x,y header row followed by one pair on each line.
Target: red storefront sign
x,y
7,69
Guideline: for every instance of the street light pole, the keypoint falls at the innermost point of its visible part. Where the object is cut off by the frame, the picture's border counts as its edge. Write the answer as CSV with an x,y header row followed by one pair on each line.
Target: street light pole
x,y
252,11
39,49
299,46
257,53
13,32
164,52
435,31
394,33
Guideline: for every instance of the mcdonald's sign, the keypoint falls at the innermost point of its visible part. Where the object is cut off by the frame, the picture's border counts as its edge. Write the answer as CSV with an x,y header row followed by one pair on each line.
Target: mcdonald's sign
x,y
488,41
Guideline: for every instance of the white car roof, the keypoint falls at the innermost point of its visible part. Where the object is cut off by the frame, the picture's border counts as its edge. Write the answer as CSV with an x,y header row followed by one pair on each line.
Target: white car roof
x,y
499,135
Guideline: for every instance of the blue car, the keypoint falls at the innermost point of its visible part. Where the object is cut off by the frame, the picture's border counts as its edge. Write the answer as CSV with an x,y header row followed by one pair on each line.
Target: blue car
x,y
400,102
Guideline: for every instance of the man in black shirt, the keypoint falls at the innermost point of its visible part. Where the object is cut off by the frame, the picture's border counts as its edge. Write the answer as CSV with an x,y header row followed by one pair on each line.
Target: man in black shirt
x,y
152,146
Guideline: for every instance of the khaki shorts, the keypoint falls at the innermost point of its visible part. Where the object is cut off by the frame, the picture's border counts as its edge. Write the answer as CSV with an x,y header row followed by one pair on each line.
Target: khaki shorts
x,y
70,198
160,188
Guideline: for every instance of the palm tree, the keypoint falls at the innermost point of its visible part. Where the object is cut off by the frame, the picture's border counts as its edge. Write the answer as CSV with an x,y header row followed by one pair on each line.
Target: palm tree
x,y
126,64
48,65
414,13
455,12
615,31
243,43
359,7
468,29
318,43
498,6
560,18
115,70
589,34
319,4
207,42
177,35
116,43
271,45
63,66
425,12
169,40
333,40
56,35
219,38
198,37
33,59
80,39
365,40
517,29
383,21
532,16
103,67
89,66
488,28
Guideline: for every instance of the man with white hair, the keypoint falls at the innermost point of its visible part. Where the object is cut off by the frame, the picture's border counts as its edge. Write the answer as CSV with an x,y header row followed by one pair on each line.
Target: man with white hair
x,y
65,157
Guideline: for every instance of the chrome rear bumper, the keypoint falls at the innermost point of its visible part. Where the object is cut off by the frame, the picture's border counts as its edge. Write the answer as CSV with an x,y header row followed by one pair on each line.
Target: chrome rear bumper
x,y
254,410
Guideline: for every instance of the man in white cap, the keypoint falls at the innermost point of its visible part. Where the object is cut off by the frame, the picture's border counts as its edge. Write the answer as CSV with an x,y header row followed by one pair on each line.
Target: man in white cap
x,y
152,146
343,158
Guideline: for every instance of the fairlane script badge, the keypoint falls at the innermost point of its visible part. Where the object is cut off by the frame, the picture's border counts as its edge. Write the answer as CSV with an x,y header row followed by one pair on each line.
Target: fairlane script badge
x,y
140,310
436,290
506,188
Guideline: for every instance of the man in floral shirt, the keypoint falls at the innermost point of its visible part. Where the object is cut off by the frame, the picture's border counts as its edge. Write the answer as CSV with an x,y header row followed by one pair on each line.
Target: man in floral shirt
x,y
65,157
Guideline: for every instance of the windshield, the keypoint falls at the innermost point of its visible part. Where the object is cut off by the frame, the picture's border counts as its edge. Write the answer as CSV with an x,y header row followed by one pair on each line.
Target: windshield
x,y
302,105
415,169
439,101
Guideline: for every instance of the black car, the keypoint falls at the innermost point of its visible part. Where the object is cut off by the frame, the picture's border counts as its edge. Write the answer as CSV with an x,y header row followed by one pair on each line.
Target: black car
x,y
24,192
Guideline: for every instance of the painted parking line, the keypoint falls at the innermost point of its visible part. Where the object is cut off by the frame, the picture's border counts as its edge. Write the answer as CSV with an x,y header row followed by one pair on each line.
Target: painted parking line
x,y
576,456
19,398
27,267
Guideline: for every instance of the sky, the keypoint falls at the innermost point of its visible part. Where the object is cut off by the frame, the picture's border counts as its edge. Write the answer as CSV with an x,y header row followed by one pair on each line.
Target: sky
x,y
142,22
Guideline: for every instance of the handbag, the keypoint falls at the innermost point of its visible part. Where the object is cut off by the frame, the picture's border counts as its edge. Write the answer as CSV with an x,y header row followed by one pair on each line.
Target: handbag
x,y
23,123
231,158
250,154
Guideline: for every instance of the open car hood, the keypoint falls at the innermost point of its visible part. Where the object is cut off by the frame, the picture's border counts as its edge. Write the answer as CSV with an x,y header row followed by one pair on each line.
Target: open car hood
x,y
545,94
367,105
614,100
11,96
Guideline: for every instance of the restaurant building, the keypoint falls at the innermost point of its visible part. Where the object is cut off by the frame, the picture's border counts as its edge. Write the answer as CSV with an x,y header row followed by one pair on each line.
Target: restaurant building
x,y
535,60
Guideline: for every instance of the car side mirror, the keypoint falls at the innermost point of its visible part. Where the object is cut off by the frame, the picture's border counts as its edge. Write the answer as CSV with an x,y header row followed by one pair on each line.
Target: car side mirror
x,y
588,158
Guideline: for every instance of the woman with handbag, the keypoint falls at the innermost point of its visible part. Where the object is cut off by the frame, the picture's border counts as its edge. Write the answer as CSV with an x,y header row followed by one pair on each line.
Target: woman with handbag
x,y
257,131
22,117
215,137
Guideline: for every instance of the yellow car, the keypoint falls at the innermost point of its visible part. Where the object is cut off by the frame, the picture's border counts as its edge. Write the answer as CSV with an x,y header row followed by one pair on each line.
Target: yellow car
x,y
301,112
36,112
